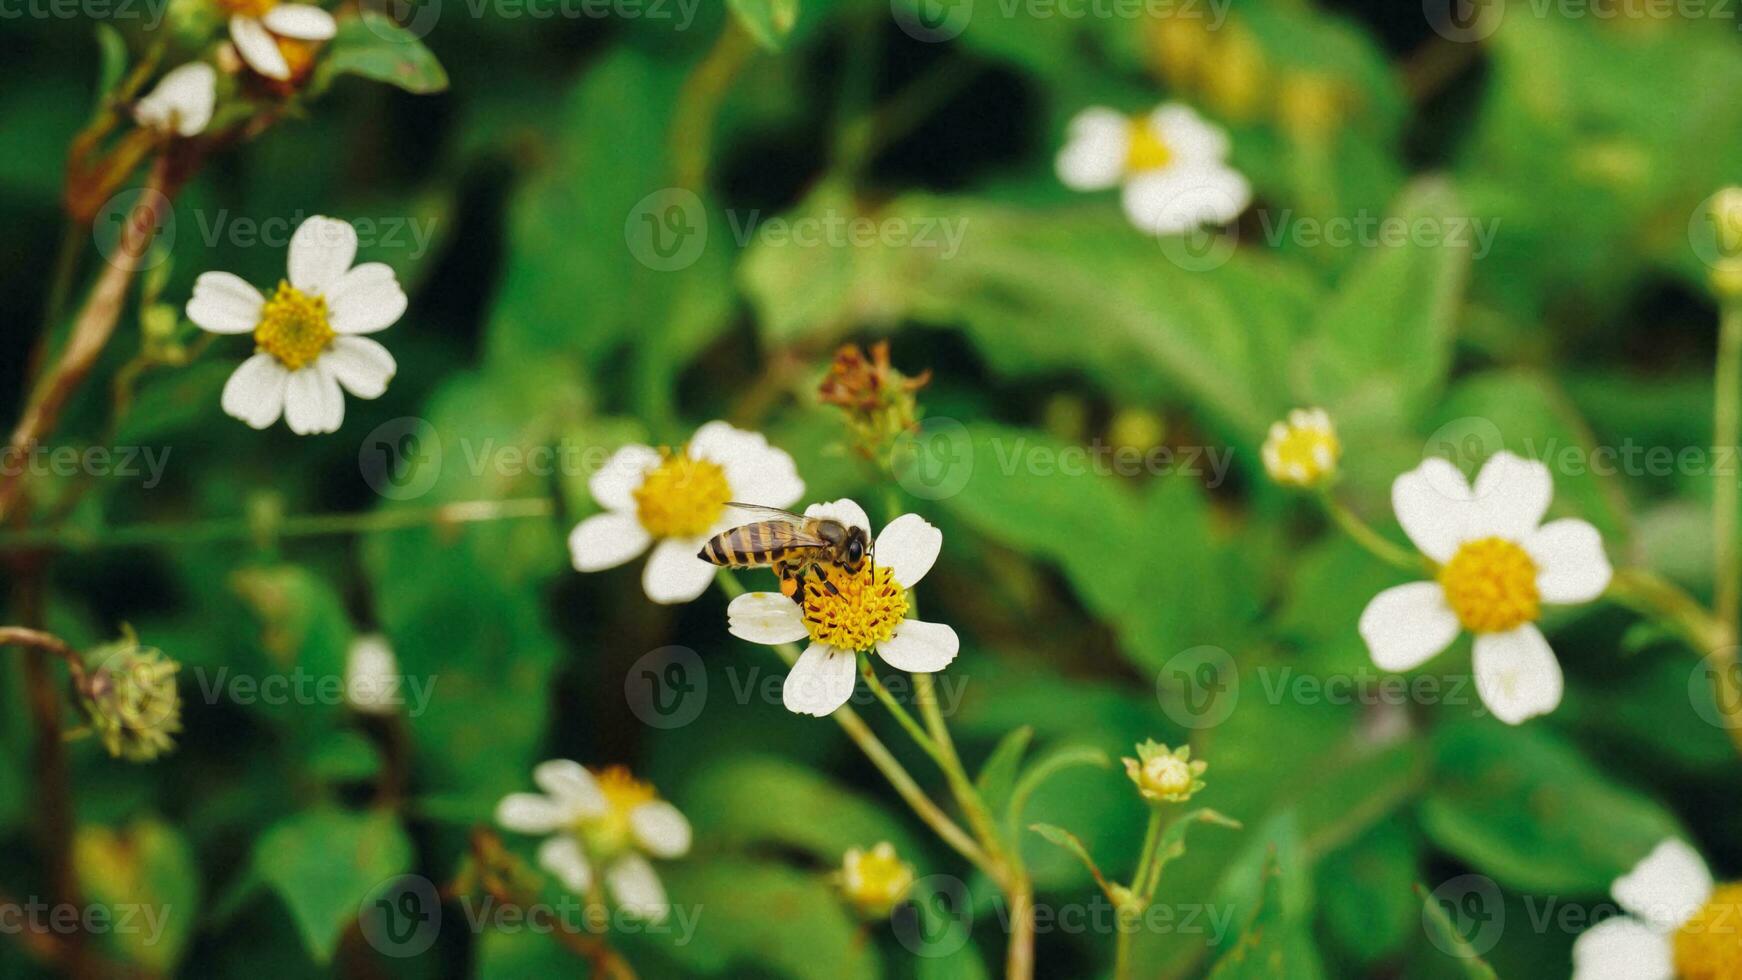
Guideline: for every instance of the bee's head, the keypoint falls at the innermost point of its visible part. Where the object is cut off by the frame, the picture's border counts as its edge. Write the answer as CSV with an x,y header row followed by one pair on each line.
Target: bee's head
x,y
857,543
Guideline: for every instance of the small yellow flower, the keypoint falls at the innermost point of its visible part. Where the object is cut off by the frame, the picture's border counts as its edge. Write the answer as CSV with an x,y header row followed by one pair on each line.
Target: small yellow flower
x,y
1302,451
1165,775
131,700
875,881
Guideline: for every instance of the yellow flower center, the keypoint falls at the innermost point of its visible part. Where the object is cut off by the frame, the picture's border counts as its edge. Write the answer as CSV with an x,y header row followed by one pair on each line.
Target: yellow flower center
x,y
247,8
610,833
293,327
682,497
860,612
1491,585
1709,945
875,881
1301,455
1146,151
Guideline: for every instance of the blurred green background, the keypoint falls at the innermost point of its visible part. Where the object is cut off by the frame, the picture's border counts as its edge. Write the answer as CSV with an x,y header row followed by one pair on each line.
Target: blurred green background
x,y
1586,144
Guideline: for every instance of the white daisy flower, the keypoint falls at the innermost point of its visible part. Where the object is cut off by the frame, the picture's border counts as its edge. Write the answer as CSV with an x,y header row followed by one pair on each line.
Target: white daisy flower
x,y
849,613
1171,165
1497,564
182,101
678,498
372,676
306,336
1680,924
256,26
609,821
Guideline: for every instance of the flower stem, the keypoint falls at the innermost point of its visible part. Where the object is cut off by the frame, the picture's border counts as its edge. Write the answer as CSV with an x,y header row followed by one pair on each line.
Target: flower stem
x,y
1143,889
922,805
901,714
1727,402
1364,535
47,643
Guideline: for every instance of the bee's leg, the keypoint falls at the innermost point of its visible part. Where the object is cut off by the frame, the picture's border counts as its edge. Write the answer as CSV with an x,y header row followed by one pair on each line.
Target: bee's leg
x,y
817,568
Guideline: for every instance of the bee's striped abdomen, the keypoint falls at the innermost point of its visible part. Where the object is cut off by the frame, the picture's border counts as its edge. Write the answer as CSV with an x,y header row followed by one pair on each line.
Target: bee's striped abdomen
x,y
750,546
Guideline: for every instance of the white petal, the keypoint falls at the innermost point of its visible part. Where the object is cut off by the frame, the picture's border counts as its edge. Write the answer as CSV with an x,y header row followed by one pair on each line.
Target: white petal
x,y
569,782
531,813
1513,494
1571,566
321,251
1434,505
313,403
774,484
1096,144
300,21
674,573
635,886
1517,674
366,299
615,484
182,102
606,541
907,547
256,46
1619,948
821,681
843,510
660,829
721,443
920,647
255,391
224,303
1667,887
1189,138
562,856
361,365
1178,199
765,617
1405,625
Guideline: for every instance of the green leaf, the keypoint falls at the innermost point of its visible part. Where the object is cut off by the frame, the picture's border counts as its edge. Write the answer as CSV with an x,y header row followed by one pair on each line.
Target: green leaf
x,y
1048,766
789,922
376,48
1382,344
1522,806
751,800
1446,935
147,873
997,778
1173,837
1364,892
1063,838
1275,944
112,48
324,862
768,21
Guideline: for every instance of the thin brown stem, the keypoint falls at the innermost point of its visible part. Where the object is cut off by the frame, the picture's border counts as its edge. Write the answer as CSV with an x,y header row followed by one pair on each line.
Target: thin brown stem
x,y
91,330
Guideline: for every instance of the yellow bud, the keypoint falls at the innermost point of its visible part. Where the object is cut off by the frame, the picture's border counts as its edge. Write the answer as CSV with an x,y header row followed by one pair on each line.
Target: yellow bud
x,y
1302,451
875,881
1163,774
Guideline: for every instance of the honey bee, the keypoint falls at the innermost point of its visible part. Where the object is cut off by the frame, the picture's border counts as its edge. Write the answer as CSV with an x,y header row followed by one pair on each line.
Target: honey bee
x,y
792,544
